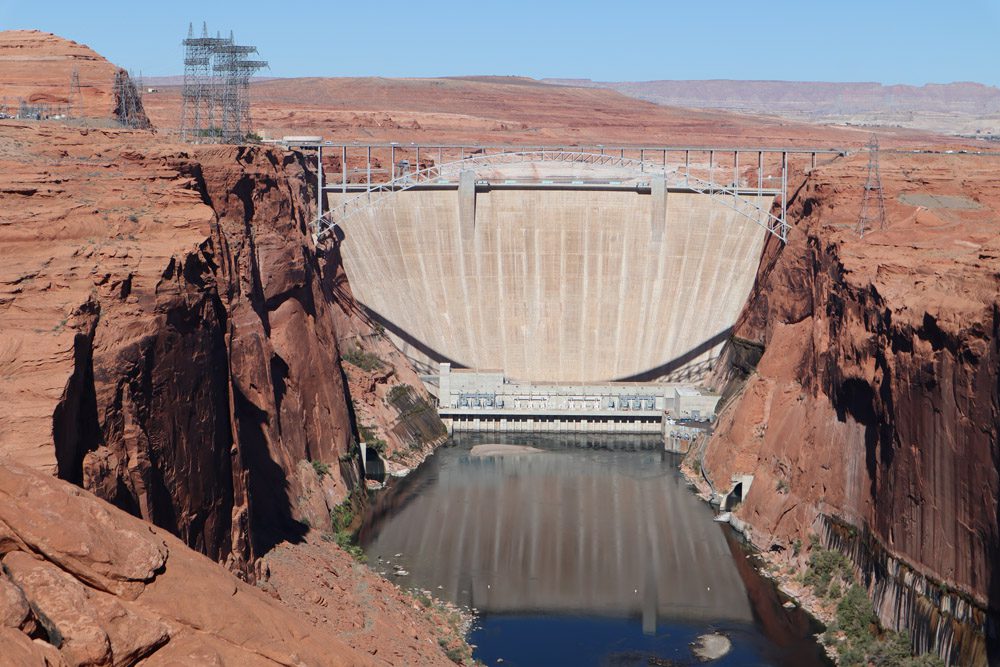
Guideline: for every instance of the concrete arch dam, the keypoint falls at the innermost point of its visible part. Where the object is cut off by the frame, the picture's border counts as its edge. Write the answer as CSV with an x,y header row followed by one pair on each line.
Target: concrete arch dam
x,y
580,284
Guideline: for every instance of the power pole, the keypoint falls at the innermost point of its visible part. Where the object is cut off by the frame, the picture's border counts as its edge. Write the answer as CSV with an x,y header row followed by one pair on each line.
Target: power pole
x,y
872,214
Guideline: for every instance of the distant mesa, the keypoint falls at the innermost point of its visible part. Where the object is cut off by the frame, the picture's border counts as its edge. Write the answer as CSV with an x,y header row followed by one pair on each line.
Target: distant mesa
x,y
952,108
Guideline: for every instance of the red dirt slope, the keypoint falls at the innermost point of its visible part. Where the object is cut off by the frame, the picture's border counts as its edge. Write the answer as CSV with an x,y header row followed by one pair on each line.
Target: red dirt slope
x,y
507,111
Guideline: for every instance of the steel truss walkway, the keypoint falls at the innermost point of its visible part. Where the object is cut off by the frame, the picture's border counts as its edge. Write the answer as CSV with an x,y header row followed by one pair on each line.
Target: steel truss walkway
x,y
713,172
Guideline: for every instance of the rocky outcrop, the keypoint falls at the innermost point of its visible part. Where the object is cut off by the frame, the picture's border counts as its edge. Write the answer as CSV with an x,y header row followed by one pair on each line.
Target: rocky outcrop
x,y
170,336
38,69
83,583
877,397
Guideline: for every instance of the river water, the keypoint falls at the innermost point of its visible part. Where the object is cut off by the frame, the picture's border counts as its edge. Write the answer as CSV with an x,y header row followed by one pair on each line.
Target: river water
x,y
579,550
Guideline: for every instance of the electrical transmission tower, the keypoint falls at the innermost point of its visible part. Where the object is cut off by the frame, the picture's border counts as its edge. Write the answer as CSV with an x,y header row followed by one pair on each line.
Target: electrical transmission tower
x,y
198,94
872,214
216,94
128,102
75,95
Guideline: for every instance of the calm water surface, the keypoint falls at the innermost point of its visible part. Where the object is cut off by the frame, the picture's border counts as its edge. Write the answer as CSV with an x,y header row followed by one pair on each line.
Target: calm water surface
x,y
590,551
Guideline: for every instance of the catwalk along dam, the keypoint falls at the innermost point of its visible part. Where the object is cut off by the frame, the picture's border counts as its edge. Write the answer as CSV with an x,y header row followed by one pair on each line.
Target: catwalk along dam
x,y
574,265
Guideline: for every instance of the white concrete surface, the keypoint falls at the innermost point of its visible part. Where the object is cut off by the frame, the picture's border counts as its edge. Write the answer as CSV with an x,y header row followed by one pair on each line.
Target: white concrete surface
x,y
563,286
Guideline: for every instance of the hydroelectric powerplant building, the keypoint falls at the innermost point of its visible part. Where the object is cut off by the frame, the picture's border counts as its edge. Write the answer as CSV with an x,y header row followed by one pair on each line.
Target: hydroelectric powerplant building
x,y
489,401
581,265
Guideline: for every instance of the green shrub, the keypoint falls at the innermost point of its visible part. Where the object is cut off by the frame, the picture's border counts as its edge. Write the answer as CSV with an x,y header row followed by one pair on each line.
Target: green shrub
x,y
321,468
352,451
824,565
855,615
341,520
342,516
862,647
369,437
346,542
399,392
893,649
366,361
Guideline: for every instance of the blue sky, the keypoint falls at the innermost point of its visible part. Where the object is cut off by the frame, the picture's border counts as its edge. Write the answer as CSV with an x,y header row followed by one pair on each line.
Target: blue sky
x,y
890,41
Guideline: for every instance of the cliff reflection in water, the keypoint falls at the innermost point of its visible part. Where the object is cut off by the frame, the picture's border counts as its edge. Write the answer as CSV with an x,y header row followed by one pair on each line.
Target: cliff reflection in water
x,y
564,529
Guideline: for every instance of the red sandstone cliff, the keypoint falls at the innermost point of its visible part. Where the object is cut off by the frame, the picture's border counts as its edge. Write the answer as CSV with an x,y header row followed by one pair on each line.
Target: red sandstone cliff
x,y
216,383
170,341
877,398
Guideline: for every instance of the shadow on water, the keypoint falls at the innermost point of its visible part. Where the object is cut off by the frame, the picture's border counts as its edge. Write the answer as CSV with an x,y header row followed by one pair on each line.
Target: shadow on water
x,y
578,550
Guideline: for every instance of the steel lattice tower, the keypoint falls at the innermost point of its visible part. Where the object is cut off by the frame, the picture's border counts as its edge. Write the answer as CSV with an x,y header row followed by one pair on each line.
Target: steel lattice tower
x,y
231,61
128,102
75,95
216,96
198,96
872,214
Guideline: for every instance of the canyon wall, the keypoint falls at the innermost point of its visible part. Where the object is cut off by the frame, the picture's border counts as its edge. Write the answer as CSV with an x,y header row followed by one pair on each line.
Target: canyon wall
x,y
877,396
171,343
172,337
211,386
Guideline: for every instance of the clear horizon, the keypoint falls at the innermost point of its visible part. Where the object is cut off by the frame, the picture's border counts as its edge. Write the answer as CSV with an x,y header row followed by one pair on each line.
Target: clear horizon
x,y
895,42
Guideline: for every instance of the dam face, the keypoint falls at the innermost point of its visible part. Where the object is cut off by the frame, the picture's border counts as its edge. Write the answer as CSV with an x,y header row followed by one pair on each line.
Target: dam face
x,y
561,285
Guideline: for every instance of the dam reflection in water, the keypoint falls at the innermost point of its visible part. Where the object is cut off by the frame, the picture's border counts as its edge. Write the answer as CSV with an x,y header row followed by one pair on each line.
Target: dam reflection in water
x,y
568,527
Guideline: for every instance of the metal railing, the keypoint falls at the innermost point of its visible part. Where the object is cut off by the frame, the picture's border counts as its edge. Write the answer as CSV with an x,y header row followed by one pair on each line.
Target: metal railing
x,y
746,200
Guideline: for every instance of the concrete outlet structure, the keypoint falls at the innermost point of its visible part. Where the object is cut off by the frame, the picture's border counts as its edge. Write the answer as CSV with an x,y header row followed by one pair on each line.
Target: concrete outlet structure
x,y
555,285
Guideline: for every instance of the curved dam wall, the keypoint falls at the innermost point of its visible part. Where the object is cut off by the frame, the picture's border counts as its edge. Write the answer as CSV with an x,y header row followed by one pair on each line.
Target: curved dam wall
x,y
560,285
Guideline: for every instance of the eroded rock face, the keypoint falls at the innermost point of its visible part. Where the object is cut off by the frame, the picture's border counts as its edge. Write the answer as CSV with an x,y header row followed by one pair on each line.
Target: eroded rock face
x,y
169,336
187,610
877,398
212,386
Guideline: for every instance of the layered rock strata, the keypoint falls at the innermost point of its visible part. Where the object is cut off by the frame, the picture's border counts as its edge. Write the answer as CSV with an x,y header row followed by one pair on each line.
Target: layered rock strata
x,y
83,583
171,336
877,397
